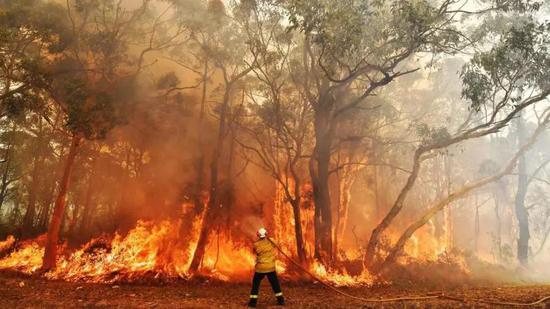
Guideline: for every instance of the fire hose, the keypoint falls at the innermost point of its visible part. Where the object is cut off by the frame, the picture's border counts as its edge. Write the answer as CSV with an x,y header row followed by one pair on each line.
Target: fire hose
x,y
407,298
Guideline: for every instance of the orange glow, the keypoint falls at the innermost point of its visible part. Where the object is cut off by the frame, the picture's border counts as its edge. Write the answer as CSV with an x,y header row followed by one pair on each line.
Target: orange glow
x,y
151,250
156,250
27,258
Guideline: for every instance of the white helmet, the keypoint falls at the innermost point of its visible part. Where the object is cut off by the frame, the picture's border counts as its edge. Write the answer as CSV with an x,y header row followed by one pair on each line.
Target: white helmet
x,y
262,232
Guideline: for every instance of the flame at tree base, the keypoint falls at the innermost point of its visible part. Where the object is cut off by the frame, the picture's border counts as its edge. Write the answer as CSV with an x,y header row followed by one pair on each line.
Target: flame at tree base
x,y
151,251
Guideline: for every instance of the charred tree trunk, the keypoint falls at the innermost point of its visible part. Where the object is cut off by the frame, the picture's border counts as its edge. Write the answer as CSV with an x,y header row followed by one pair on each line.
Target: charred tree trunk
x,y
522,214
50,254
300,247
199,165
209,213
319,171
296,202
211,206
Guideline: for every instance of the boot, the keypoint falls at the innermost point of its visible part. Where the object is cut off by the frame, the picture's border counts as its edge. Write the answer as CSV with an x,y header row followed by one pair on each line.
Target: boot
x,y
253,302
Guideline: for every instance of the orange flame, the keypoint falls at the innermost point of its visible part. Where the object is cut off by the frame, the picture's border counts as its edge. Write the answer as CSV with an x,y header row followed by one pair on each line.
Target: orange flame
x,y
150,250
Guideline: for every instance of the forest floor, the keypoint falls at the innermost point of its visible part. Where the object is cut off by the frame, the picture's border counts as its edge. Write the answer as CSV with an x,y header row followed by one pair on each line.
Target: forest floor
x,y
17,291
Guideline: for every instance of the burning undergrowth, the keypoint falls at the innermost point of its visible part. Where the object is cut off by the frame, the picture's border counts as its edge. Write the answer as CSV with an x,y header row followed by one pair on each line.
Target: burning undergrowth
x,y
153,252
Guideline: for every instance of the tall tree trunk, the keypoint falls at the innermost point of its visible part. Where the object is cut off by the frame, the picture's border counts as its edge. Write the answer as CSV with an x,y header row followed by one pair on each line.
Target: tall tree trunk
x,y
50,199
521,212
300,248
476,227
319,171
229,190
86,213
338,218
38,162
199,165
448,212
209,213
344,192
184,230
499,225
377,202
50,254
211,206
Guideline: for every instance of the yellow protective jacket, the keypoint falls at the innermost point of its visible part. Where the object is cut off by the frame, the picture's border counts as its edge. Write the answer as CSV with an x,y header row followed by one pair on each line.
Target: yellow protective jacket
x,y
265,256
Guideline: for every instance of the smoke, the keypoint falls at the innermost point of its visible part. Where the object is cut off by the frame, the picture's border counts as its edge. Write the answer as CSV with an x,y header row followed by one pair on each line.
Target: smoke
x,y
251,224
146,168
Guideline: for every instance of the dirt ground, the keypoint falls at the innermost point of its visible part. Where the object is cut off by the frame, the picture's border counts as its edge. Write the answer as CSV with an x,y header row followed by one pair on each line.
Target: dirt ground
x,y
17,291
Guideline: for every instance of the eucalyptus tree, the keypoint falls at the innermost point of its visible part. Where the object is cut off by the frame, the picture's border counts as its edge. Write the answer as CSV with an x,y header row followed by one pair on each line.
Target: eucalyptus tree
x,y
276,132
219,35
351,50
96,83
500,83
87,64
26,36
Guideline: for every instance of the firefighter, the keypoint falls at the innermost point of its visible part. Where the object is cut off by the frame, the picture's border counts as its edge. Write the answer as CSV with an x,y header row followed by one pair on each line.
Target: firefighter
x,y
264,248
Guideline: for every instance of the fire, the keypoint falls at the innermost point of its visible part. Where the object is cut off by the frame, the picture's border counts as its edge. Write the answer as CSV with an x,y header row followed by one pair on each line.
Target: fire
x,y
340,278
424,246
228,260
151,250
125,258
148,249
27,259
6,244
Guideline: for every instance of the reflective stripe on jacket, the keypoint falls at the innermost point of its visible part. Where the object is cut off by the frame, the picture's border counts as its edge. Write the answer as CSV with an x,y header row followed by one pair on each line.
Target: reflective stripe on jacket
x,y
265,256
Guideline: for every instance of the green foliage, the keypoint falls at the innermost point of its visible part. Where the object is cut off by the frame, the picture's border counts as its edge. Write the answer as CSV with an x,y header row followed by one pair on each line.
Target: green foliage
x,y
431,135
518,63
350,32
92,112
516,5
26,36
50,28
78,59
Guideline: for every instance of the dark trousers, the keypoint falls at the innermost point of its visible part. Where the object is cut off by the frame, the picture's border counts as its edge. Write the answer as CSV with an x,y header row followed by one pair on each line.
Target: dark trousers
x,y
273,280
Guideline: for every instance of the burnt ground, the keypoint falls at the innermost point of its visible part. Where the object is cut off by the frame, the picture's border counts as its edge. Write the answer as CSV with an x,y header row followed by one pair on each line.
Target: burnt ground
x,y
17,291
